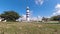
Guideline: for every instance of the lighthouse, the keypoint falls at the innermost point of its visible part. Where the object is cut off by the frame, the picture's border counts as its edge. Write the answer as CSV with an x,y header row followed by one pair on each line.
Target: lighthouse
x,y
27,14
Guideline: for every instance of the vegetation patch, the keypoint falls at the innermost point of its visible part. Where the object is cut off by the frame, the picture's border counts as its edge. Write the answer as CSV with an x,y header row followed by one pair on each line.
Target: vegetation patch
x,y
29,28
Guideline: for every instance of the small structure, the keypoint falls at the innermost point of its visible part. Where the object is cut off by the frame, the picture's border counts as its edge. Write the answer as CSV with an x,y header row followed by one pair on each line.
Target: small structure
x,y
2,20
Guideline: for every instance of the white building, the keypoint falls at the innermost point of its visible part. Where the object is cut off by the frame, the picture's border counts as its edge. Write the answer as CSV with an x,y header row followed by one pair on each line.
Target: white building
x,y
2,20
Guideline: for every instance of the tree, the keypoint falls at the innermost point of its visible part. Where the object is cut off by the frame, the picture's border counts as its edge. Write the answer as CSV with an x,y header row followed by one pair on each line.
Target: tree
x,y
45,19
10,15
55,18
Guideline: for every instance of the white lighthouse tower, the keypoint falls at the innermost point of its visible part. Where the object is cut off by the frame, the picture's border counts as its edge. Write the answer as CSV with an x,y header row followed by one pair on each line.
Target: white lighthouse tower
x,y
27,14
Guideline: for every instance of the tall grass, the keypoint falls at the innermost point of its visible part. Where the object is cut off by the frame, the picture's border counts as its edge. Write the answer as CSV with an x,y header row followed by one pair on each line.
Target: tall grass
x,y
28,28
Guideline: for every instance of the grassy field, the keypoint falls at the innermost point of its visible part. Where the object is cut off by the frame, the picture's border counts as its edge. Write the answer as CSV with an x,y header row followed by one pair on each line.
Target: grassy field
x,y
28,28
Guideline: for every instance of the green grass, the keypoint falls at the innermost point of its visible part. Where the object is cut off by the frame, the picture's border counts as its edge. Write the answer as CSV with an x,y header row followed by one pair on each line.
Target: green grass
x,y
29,28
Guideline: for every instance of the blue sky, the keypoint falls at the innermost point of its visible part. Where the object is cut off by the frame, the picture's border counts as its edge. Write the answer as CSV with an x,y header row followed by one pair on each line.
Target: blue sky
x,y
37,7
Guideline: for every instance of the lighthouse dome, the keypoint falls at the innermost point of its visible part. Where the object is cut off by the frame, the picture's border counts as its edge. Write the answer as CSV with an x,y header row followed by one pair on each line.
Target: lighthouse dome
x,y
27,8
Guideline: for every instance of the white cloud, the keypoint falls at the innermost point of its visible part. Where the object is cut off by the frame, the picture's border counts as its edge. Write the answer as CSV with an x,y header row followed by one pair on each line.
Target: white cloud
x,y
24,17
57,6
53,14
57,10
38,18
34,18
39,2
